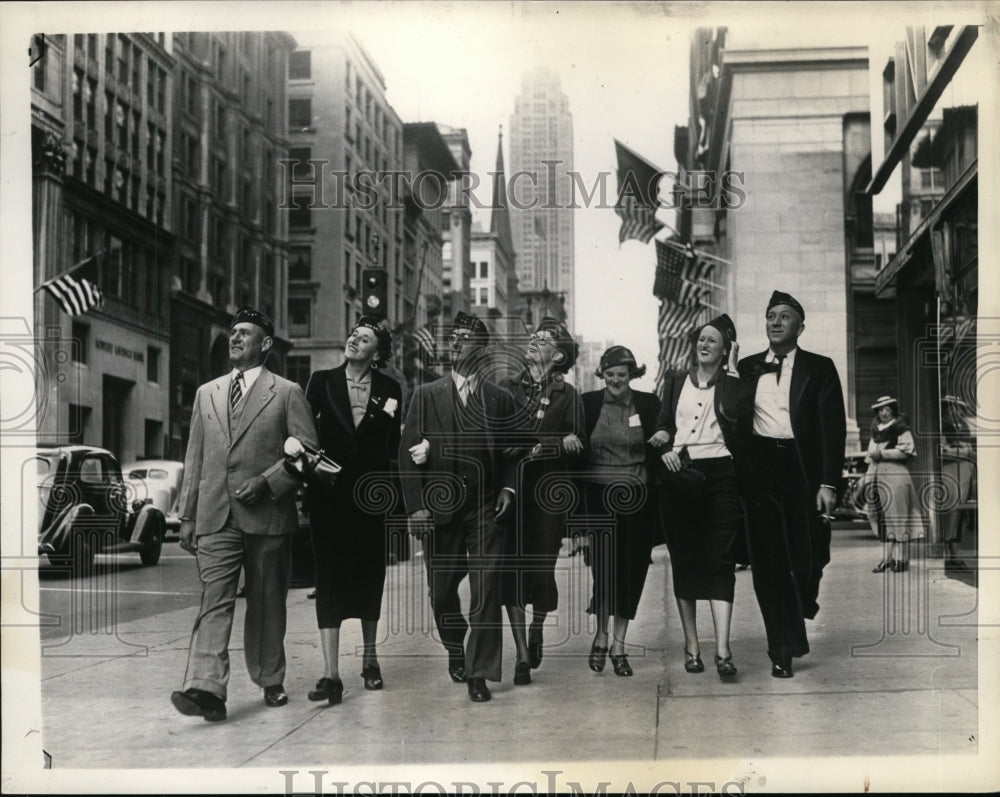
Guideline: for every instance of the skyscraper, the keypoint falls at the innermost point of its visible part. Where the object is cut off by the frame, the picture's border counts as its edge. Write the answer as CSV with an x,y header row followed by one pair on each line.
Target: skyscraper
x,y
541,143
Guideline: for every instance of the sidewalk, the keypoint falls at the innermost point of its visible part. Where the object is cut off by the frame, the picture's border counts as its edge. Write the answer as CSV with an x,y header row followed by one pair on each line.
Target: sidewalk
x,y
892,672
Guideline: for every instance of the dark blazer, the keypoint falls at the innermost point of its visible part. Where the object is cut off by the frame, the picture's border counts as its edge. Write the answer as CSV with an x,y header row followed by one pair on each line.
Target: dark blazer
x,y
816,404
647,406
733,409
466,443
371,446
563,415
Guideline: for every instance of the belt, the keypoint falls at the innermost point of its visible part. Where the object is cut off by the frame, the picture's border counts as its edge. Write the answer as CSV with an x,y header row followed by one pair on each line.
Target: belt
x,y
775,442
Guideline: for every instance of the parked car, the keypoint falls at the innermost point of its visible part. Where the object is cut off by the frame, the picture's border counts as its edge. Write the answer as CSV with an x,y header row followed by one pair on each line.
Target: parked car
x,y
84,509
851,505
159,480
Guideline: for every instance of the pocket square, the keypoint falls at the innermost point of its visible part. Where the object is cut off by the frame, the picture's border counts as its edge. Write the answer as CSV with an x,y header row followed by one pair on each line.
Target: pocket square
x,y
389,408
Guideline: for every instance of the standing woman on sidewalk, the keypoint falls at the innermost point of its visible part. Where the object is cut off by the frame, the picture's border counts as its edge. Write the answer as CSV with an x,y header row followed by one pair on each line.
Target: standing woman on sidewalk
x,y
616,482
357,412
892,499
551,415
703,430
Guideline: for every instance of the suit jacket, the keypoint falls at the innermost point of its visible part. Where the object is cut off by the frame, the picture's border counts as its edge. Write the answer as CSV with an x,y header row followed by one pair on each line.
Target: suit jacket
x,y
563,415
733,409
466,445
647,405
369,448
816,405
218,461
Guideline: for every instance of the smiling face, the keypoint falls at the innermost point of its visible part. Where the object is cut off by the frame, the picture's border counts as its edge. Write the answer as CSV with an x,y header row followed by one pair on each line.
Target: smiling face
x,y
711,347
542,350
616,379
248,345
784,325
362,346
885,414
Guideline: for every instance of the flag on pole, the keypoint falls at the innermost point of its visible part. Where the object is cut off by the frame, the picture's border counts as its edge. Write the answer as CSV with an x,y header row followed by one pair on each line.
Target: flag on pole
x,y
674,324
637,200
679,273
76,290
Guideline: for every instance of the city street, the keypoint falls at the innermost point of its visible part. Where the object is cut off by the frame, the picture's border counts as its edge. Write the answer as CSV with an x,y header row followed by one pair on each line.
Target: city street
x,y
892,672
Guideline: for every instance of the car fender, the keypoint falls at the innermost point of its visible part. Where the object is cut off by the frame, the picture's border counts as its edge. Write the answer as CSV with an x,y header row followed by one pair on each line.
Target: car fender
x,y
58,537
146,525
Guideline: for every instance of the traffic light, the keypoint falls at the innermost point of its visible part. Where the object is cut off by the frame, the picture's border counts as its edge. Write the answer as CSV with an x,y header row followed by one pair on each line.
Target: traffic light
x,y
375,292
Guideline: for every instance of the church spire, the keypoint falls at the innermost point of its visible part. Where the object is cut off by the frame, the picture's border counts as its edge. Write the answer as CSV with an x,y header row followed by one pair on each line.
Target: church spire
x,y
500,218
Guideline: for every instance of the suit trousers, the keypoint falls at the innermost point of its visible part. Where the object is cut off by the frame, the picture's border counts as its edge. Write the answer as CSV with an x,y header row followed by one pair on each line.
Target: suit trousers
x,y
789,546
470,544
221,556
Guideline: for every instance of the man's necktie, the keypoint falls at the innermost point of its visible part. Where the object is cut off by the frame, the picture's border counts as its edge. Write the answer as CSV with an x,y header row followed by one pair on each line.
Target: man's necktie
x,y
235,392
780,361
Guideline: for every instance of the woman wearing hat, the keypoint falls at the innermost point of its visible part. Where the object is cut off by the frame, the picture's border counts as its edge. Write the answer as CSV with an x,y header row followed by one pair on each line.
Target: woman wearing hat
x,y
551,414
892,499
616,482
703,429
357,412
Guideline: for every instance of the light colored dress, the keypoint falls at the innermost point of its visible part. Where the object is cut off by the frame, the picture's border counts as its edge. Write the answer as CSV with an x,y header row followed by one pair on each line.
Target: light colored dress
x,y
893,504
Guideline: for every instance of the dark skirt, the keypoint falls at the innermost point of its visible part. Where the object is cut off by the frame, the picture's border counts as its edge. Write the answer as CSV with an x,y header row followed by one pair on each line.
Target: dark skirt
x,y
703,526
620,542
350,555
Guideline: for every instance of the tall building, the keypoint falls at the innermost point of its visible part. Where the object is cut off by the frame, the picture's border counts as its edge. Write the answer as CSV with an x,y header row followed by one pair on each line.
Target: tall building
x,y
338,122
456,229
541,143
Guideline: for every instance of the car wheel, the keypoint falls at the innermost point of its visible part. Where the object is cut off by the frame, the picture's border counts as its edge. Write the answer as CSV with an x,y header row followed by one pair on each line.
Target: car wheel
x,y
150,555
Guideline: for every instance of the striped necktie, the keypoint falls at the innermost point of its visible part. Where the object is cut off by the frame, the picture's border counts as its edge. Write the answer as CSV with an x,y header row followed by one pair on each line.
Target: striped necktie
x,y
235,392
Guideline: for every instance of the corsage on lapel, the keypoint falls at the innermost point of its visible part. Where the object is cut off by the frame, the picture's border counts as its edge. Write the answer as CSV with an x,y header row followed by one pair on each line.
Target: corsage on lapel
x,y
390,406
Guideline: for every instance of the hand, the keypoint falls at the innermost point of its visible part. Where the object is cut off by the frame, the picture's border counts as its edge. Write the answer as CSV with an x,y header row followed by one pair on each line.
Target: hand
x,y
672,460
294,448
876,455
419,452
734,357
572,445
536,450
252,490
826,501
661,438
504,503
420,522
188,541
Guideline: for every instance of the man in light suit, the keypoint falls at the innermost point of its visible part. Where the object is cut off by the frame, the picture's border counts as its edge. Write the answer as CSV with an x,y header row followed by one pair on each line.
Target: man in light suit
x,y
458,486
797,451
238,511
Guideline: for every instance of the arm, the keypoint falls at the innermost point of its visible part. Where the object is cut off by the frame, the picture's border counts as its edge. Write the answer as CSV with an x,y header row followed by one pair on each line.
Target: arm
x,y
298,423
833,438
904,450
666,424
192,463
411,474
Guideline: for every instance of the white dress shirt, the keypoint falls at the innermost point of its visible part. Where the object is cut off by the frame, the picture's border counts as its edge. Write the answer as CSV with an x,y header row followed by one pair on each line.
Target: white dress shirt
x,y
771,413
249,377
697,425
460,382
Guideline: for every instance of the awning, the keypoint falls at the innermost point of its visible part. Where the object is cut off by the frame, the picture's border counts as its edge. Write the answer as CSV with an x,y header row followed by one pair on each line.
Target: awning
x,y
958,191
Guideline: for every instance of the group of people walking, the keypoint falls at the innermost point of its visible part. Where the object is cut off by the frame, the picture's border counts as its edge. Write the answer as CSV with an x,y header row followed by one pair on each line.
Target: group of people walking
x,y
736,462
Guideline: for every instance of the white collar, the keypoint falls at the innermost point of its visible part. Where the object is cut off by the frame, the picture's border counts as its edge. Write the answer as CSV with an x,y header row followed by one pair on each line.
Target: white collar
x,y
472,379
249,375
789,360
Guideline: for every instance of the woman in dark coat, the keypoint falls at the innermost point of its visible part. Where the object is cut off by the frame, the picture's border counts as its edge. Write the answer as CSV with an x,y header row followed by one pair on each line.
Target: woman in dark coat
x,y
357,413
551,418
618,422
703,428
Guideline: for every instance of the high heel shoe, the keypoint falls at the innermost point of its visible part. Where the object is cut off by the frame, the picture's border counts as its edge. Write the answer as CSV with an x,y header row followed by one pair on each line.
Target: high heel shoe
x,y
535,644
693,662
885,564
330,689
621,665
726,668
373,677
522,673
901,567
596,660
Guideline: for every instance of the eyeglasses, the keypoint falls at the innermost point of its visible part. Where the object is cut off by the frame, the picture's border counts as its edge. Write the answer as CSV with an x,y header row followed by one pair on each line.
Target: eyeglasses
x,y
462,334
536,338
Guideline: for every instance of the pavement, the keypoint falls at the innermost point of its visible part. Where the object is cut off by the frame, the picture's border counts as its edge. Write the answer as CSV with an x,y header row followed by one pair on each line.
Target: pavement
x,y
892,678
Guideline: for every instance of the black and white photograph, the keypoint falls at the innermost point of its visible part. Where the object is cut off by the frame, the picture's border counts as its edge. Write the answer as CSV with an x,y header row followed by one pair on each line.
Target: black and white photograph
x,y
499,397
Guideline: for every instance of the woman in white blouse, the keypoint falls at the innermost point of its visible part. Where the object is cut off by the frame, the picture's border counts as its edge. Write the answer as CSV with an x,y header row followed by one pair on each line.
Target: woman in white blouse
x,y
704,424
893,508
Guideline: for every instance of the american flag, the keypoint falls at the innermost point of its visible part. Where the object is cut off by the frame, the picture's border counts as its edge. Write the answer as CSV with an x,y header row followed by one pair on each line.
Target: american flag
x,y
679,273
637,202
76,290
674,324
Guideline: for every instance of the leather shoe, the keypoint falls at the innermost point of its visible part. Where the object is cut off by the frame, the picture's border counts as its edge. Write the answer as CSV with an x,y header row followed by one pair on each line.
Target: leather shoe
x,y
621,665
522,673
782,668
726,668
330,689
596,659
373,677
199,703
456,667
693,662
275,695
535,643
479,692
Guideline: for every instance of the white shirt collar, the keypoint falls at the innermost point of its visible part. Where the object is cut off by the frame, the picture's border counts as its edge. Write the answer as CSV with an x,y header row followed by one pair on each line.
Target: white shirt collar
x,y
472,379
249,376
789,360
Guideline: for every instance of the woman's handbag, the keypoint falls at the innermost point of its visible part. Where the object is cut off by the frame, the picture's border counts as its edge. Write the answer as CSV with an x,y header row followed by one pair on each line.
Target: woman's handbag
x,y
688,476
313,467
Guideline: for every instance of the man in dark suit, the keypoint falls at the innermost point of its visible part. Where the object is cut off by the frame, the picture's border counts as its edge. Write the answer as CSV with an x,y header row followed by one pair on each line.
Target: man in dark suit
x,y
797,451
458,487
238,511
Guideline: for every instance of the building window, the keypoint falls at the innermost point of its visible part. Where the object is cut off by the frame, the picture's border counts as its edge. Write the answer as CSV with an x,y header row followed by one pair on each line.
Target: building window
x,y
217,289
300,263
484,297
152,363
484,270
300,114
298,368
81,340
301,214
302,169
136,124
299,312
220,120
300,65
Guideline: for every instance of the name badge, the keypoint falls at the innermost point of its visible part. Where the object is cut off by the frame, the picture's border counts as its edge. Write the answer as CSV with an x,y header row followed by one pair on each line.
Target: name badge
x,y
540,414
545,402
634,420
